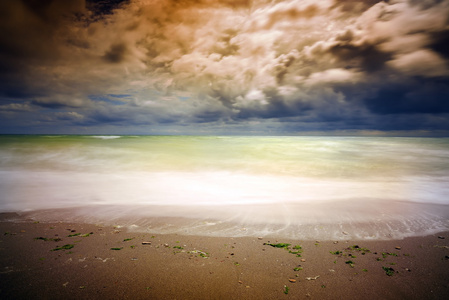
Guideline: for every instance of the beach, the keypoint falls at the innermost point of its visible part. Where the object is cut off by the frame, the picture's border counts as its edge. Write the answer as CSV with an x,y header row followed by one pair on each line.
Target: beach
x,y
43,260
224,149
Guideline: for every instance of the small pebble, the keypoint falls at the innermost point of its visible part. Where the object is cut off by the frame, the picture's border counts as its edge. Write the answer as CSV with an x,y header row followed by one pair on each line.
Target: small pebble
x,y
303,260
292,280
397,247
441,237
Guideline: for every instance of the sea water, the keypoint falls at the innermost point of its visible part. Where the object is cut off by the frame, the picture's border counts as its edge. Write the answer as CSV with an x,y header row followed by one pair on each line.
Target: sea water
x,y
298,187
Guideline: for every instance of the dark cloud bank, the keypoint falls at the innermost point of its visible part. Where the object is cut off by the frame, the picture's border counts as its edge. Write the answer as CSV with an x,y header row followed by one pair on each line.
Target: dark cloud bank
x,y
225,67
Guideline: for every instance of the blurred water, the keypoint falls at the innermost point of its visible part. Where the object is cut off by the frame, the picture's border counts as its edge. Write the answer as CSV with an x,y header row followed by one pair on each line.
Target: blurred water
x,y
273,180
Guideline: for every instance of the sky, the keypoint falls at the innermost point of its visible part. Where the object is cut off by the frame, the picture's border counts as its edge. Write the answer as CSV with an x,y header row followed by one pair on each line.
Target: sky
x,y
245,67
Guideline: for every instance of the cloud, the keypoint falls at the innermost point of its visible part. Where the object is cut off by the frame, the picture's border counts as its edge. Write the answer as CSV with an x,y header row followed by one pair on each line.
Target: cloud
x,y
16,107
318,64
426,97
421,63
337,75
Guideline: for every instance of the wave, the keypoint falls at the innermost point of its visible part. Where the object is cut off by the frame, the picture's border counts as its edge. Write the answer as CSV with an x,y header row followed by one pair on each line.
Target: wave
x,y
106,137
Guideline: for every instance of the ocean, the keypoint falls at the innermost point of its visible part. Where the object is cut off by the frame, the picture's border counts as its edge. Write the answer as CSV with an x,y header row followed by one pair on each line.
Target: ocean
x,y
296,187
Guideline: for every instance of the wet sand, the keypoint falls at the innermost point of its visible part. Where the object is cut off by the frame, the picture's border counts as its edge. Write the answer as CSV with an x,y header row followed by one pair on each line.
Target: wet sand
x,y
107,262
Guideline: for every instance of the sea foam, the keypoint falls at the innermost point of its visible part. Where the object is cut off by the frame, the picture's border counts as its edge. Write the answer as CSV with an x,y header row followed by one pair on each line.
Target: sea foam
x,y
301,187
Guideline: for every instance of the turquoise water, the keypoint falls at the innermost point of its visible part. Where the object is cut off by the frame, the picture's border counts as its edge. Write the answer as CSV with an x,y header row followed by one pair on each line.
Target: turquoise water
x,y
247,180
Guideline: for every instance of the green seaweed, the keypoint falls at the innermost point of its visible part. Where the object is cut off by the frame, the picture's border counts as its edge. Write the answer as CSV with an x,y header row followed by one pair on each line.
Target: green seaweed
x,y
126,240
335,252
298,269
75,234
200,253
286,289
178,247
117,248
298,252
279,245
80,234
350,263
357,248
385,254
48,239
65,247
389,271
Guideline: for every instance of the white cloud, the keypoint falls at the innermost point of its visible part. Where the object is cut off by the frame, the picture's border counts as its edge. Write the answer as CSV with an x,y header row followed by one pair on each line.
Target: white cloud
x,y
421,63
16,107
332,76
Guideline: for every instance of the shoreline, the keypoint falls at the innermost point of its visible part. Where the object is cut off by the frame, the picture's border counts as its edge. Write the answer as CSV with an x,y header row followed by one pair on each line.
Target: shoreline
x,y
374,220
113,263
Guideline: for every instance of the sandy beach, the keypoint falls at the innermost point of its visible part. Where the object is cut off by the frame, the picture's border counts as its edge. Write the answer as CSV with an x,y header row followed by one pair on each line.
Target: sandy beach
x,y
40,260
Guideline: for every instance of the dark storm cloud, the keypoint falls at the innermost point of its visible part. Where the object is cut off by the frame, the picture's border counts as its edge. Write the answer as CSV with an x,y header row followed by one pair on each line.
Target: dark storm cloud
x,y
116,53
276,107
104,7
29,42
419,96
440,42
366,56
